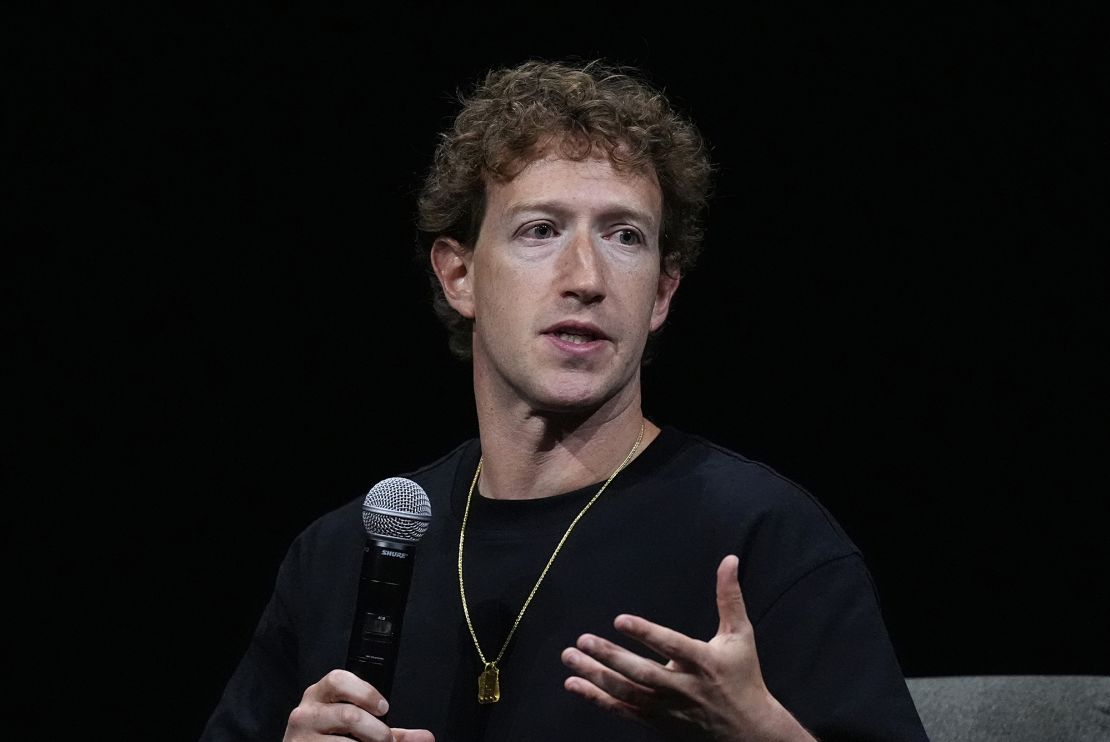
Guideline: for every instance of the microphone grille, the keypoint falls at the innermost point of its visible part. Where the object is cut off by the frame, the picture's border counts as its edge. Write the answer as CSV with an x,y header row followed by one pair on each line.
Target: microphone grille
x,y
396,508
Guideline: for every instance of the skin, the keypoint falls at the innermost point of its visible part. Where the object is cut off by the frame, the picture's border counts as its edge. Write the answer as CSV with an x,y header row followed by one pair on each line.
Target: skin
x,y
342,704
563,242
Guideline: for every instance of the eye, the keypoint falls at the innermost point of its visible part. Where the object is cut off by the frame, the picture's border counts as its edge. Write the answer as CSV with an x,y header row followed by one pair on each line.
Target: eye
x,y
541,231
629,237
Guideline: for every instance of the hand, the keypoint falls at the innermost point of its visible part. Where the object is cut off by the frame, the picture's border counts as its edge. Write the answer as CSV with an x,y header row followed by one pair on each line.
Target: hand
x,y
707,690
343,704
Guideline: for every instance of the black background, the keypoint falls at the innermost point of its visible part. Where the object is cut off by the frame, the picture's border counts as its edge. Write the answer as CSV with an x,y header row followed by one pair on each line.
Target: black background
x,y
218,331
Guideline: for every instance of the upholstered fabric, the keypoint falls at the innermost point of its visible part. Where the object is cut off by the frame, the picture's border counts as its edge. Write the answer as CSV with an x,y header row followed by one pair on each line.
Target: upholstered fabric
x,y
1014,708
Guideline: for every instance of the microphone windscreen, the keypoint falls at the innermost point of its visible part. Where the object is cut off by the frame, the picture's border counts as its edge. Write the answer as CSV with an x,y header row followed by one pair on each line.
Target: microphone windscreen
x,y
396,508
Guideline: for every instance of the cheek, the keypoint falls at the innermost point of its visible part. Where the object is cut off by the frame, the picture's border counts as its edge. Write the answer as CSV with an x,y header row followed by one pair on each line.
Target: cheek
x,y
516,289
651,292
502,296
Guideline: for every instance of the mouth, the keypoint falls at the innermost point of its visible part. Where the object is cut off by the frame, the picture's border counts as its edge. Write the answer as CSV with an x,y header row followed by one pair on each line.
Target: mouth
x,y
576,333
575,338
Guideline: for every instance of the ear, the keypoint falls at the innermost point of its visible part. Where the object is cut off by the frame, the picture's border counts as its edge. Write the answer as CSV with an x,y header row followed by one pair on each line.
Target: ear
x,y
451,261
664,291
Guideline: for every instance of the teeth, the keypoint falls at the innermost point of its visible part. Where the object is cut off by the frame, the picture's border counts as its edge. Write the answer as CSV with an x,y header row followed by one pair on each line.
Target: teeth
x,y
573,338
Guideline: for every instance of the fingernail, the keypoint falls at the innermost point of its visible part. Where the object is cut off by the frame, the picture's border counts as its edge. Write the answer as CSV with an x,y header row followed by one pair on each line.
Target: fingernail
x,y
383,706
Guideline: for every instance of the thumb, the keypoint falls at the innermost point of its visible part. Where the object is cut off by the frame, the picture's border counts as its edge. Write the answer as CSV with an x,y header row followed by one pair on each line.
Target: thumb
x,y
730,602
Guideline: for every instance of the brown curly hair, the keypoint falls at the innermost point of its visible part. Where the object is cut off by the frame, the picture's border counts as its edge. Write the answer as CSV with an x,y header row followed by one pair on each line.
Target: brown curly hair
x,y
514,114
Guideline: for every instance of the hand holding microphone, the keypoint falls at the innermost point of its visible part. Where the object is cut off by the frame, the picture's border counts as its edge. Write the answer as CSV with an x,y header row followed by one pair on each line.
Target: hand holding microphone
x,y
395,514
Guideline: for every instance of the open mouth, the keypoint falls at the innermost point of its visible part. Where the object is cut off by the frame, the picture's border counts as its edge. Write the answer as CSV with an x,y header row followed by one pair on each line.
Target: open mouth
x,y
577,337
576,333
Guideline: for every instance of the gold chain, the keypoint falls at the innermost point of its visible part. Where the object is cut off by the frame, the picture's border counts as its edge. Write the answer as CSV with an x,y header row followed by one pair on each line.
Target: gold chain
x,y
489,690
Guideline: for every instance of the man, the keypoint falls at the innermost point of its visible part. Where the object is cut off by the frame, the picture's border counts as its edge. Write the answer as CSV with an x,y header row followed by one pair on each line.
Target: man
x,y
586,573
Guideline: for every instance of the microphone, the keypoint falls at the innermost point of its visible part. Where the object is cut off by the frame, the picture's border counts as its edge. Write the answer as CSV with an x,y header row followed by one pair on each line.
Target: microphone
x,y
395,514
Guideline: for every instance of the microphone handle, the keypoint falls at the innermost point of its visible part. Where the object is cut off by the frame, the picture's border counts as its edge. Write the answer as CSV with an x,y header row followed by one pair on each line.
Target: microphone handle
x,y
383,590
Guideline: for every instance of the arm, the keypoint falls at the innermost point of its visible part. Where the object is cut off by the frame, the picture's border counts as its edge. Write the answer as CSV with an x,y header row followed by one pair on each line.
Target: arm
x,y
707,690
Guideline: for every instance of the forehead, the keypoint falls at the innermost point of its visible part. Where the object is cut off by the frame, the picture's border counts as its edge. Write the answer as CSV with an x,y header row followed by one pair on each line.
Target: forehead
x,y
589,184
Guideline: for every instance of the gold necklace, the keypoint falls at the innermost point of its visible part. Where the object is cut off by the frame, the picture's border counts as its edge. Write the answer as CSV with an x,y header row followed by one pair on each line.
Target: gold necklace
x,y
489,685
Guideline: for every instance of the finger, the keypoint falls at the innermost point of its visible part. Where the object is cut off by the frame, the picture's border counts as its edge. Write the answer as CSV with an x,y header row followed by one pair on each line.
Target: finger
x,y
412,735
346,687
344,719
661,640
587,690
730,601
640,670
612,683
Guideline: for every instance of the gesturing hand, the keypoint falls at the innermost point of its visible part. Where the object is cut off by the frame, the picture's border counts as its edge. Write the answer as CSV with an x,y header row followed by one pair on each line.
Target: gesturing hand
x,y
707,690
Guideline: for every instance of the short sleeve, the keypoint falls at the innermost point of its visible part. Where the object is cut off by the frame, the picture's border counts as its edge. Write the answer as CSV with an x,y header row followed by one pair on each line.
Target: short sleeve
x,y
826,656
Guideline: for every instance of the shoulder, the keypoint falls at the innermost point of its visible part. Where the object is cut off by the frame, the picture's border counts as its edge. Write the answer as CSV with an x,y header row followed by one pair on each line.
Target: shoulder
x,y
721,468
336,531
724,478
438,477
771,517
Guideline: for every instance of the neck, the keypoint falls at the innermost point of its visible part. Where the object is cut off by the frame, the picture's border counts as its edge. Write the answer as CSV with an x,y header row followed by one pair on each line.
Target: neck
x,y
539,455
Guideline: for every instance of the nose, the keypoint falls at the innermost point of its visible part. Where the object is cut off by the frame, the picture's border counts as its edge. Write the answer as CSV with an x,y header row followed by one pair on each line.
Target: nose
x,y
581,270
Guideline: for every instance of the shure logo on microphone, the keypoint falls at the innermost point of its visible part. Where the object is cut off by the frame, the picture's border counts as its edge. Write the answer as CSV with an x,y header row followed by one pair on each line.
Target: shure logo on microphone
x,y
398,554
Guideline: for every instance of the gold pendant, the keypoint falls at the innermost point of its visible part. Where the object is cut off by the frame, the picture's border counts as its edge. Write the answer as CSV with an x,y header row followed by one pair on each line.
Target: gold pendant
x,y
489,687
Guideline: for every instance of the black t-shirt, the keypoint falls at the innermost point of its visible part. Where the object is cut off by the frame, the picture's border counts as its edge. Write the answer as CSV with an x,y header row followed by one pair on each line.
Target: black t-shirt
x,y
650,546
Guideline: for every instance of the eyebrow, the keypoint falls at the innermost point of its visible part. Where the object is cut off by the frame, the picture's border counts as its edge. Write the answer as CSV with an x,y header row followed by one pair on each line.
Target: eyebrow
x,y
614,212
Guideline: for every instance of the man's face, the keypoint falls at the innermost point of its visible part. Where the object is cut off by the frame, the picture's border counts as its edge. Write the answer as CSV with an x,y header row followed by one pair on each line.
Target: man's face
x,y
564,285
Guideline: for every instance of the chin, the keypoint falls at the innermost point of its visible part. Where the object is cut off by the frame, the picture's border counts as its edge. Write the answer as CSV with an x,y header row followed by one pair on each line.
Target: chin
x,y
571,401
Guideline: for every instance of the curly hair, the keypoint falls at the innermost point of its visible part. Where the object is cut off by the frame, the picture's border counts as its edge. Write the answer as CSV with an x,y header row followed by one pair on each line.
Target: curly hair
x,y
515,115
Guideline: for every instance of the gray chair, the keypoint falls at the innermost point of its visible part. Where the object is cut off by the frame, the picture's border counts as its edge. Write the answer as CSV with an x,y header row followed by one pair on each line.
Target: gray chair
x,y
1014,708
